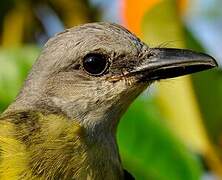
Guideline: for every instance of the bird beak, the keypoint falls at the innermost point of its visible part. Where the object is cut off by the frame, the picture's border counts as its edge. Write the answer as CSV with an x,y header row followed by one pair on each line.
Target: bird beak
x,y
163,63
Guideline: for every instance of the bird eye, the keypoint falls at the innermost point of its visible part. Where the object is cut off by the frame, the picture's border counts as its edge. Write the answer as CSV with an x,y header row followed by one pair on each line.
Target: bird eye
x,y
95,64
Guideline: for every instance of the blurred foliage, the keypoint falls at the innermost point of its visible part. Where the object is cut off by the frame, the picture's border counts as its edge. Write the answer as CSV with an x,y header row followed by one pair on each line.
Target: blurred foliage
x,y
208,87
148,148
149,134
29,21
208,94
14,67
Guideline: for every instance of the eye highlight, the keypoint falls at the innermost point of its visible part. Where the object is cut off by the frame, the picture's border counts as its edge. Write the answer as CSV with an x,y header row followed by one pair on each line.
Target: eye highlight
x,y
95,64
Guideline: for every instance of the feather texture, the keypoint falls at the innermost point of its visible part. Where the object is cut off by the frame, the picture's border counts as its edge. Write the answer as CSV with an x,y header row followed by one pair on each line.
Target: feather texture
x,y
38,146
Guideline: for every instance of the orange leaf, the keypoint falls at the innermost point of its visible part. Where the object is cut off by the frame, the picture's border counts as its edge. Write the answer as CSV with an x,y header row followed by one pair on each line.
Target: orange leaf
x,y
132,13
182,6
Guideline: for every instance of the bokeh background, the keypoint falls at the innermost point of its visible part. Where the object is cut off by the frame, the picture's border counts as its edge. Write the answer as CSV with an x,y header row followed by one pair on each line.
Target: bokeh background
x,y
174,130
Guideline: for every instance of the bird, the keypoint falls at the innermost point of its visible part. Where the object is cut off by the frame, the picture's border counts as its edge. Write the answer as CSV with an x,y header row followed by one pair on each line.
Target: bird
x,y
63,122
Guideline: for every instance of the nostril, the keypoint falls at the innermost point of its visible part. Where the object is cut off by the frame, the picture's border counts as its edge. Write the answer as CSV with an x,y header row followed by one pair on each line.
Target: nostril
x,y
149,55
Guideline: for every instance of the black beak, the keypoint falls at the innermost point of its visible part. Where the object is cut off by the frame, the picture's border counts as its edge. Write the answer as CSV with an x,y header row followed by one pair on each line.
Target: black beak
x,y
163,63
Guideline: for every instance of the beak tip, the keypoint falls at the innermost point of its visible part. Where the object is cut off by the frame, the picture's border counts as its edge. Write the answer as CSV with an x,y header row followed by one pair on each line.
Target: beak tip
x,y
212,61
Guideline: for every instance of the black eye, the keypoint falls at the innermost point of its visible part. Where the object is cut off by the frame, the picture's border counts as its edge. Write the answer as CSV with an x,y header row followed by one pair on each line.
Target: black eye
x,y
95,64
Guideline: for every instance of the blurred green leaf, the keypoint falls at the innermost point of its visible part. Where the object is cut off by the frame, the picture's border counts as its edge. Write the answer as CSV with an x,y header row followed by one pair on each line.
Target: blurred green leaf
x,y
14,66
149,150
205,82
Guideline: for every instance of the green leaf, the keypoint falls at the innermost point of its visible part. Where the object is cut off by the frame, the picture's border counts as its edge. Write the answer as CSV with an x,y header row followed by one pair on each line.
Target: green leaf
x,y
208,89
149,150
205,82
14,67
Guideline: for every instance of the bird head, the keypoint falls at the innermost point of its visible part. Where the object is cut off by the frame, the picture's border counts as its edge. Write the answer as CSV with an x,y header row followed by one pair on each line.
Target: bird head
x,y
91,73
